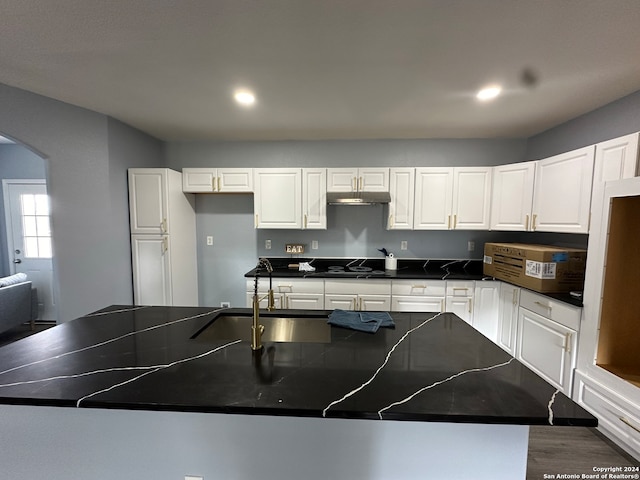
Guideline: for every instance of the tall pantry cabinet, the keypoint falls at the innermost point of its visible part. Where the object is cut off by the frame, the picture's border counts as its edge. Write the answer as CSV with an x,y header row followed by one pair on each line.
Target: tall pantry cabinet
x,y
163,238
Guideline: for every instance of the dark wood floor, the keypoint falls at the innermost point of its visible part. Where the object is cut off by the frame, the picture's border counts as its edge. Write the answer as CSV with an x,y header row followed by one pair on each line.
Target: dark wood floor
x,y
552,450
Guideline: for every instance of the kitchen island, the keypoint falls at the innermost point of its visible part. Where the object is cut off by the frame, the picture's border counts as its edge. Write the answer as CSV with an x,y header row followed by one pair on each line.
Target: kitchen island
x,y
146,397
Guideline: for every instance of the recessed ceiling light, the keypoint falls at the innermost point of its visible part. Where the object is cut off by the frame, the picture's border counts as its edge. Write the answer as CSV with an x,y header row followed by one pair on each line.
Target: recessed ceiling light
x,y
244,97
489,93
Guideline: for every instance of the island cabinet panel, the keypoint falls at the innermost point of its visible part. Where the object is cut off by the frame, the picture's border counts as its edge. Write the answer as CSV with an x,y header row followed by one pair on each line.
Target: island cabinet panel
x,y
512,196
562,192
278,198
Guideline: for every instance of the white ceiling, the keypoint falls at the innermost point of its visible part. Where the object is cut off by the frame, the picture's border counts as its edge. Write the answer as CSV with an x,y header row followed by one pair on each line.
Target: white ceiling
x,y
324,68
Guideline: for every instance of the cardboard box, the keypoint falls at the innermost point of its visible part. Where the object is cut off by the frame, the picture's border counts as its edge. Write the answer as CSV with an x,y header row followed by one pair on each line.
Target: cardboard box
x,y
541,268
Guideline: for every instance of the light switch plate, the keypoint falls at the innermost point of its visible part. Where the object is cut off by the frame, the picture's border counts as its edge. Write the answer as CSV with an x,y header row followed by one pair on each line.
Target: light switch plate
x,y
403,245
209,240
267,244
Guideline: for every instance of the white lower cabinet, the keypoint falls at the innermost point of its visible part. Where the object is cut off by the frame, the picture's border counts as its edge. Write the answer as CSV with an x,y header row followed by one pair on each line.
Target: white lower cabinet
x,y
291,294
618,417
459,299
151,260
547,338
363,295
418,295
509,302
486,306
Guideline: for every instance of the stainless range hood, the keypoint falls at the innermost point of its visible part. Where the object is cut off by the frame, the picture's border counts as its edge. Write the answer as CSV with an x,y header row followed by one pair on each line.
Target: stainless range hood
x,y
358,198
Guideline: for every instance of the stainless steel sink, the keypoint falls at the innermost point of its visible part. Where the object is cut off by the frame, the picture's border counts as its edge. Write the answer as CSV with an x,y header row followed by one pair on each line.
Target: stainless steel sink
x,y
276,329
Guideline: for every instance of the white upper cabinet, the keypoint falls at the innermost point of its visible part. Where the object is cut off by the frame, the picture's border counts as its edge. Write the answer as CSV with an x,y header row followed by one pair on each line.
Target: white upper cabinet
x,y
149,199
452,198
402,195
512,196
471,198
374,179
562,192
616,159
314,198
278,198
433,198
217,180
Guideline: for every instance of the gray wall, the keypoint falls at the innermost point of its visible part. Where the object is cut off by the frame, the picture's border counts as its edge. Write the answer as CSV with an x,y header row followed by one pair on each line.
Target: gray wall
x,y
87,155
351,232
16,162
613,120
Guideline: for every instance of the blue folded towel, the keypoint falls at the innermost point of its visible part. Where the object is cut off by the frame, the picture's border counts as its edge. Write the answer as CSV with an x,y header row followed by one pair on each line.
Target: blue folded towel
x,y
362,321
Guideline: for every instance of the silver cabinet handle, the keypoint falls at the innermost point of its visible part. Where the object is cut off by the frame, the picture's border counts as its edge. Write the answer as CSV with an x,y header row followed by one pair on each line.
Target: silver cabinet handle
x,y
17,260
548,307
567,340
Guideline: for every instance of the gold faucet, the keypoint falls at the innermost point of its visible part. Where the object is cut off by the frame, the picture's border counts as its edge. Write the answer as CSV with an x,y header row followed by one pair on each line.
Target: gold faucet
x,y
256,328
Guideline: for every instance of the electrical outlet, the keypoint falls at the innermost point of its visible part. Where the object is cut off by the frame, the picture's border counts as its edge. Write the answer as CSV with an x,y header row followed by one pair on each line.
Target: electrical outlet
x,y
267,244
225,304
209,240
403,245
314,244
471,246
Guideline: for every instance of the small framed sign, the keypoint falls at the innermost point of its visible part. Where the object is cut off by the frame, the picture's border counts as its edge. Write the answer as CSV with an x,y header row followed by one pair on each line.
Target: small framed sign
x,y
294,248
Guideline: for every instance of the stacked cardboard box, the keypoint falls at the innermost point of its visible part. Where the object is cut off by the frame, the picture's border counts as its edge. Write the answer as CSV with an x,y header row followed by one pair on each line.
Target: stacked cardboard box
x,y
541,268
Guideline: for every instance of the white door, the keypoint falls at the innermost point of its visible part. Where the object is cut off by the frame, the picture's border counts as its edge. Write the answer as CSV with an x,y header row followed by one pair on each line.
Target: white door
x,y
434,194
29,238
278,198
402,194
471,198
512,196
341,302
461,306
148,201
314,198
374,303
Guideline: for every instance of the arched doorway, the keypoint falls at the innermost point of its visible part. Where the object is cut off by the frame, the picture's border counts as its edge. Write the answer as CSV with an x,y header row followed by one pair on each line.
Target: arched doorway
x,y
25,235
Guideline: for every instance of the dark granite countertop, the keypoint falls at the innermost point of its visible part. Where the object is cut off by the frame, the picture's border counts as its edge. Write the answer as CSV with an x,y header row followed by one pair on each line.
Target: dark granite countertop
x,y
408,269
430,367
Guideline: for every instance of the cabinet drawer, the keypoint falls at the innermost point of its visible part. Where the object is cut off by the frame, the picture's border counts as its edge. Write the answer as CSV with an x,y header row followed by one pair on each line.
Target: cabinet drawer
x,y
357,287
414,303
615,415
560,312
283,285
460,288
428,288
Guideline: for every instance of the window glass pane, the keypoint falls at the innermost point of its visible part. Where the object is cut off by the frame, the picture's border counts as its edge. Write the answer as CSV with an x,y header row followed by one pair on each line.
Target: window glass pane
x,y
44,230
29,226
28,204
42,204
31,247
44,247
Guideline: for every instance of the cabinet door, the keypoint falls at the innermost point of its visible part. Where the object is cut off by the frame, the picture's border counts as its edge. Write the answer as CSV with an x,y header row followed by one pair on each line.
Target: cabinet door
x,y
408,303
148,201
374,303
486,306
461,306
234,180
616,159
151,262
199,180
433,198
471,198
342,179
278,198
512,196
278,300
547,348
314,198
373,179
341,302
402,194
508,317
562,192
304,301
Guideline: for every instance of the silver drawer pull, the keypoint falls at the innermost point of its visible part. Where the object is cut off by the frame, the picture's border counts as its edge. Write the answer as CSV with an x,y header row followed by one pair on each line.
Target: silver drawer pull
x,y
626,420
418,286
